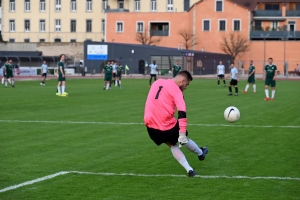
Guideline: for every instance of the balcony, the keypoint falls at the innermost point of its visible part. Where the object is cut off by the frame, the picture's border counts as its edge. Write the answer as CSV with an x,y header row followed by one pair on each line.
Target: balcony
x,y
293,13
116,10
274,35
267,13
159,33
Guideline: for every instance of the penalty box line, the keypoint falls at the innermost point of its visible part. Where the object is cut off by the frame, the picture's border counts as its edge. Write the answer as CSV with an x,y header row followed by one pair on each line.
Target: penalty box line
x,y
135,123
144,175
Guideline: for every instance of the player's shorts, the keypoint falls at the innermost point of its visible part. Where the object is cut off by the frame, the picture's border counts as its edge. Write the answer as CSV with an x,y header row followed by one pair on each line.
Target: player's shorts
x,y
251,79
153,75
270,81
60,78
160,137
114,75
220,76
233,82
119,76
9,75
44,75
107,78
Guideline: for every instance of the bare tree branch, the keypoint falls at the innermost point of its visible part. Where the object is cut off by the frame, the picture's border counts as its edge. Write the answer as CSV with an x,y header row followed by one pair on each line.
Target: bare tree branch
x,y
235,44
189,39
148,39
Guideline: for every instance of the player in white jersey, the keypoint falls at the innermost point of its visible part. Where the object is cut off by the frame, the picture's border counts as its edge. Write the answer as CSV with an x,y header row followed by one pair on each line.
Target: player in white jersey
x,y
221,73
44,70
234,79
153,72
114,68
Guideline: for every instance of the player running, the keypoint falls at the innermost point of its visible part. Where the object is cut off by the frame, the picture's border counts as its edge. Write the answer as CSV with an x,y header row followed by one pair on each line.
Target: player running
x,y
9,73
176,68
164,98
221,73
251,77
234,79
119,74
107,71
61,77
270,78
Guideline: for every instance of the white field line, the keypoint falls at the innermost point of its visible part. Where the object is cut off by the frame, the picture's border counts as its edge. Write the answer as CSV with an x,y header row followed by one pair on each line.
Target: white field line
x,y
135,123
143,175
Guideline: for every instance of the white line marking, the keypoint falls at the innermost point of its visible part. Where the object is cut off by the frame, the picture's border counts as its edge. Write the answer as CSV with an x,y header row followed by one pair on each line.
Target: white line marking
x,y
142,175
135,123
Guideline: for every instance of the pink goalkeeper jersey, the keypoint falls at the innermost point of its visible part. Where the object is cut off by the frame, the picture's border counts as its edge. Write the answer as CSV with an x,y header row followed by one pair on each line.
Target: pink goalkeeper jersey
x,y
163,99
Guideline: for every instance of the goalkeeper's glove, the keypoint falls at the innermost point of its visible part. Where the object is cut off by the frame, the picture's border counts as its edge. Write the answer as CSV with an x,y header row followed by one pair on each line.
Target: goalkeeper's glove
x,y
182,139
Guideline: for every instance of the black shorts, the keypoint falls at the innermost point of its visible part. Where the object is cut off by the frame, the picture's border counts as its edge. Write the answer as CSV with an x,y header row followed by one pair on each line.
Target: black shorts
x,y
160,137
221,76
233,82
153,75
44,75
114,75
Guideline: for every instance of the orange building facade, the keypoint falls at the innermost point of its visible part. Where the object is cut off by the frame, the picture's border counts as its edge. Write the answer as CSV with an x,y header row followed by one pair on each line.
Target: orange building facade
x,y
272,27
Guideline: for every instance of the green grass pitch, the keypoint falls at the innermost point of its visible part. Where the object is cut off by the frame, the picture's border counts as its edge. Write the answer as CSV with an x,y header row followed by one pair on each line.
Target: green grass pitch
x,y
102,132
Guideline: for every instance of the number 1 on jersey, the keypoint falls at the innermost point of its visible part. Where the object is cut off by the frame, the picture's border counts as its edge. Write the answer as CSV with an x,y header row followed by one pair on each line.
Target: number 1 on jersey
x,y
157,94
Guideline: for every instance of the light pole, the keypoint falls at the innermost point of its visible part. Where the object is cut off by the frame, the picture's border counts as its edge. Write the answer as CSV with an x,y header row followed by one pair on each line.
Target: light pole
x,y
264,36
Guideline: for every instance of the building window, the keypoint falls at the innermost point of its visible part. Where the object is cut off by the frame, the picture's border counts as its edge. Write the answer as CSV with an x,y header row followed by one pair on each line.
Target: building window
x,y
274,25
12,25
119,27
103,26
57,25
206,25
140,27
137,5
236,25
121,4
26,40
219,6
42,25
222,25
11,40
73,40
153,5
42,6
297,6
42,40
73,25
170,5
12,6
73,5
27,6
104,4
159,29
27,25
272,7
89,4
258,25
186,5
57,40
89,25
57,5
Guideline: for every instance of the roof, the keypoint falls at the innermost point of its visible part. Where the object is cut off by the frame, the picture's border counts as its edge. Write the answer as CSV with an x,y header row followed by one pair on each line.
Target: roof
x,y
249,4
278,1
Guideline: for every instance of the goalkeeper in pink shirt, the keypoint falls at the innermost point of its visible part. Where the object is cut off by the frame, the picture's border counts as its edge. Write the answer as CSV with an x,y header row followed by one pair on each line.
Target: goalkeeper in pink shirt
x,y
164,97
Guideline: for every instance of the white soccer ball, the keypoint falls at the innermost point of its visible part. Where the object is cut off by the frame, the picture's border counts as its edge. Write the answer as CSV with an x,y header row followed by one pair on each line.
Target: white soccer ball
x,y
232,114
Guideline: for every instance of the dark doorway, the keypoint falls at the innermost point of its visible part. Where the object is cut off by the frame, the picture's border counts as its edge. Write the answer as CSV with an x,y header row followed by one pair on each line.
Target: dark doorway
x,y
141,66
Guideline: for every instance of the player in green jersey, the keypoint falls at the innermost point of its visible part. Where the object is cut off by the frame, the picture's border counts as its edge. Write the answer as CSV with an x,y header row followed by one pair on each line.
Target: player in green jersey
x,y
9,73
119,74
251,77
107,71
61,77
269,77
176,68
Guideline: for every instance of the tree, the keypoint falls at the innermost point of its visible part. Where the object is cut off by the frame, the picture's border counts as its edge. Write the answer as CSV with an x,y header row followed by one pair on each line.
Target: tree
x,y
189,39
235,44
148,39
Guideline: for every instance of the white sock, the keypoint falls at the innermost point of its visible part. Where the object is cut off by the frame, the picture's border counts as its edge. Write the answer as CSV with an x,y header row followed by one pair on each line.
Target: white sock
x,y
273,93
179,156
107,86
254,88
9,81
12,82
120,82
246,89
193,147
267,93
5,83
3,80
58,89
63,89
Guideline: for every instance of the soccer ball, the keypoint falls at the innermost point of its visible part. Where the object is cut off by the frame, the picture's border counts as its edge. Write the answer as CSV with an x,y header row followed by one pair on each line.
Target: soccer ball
x,y
232,114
